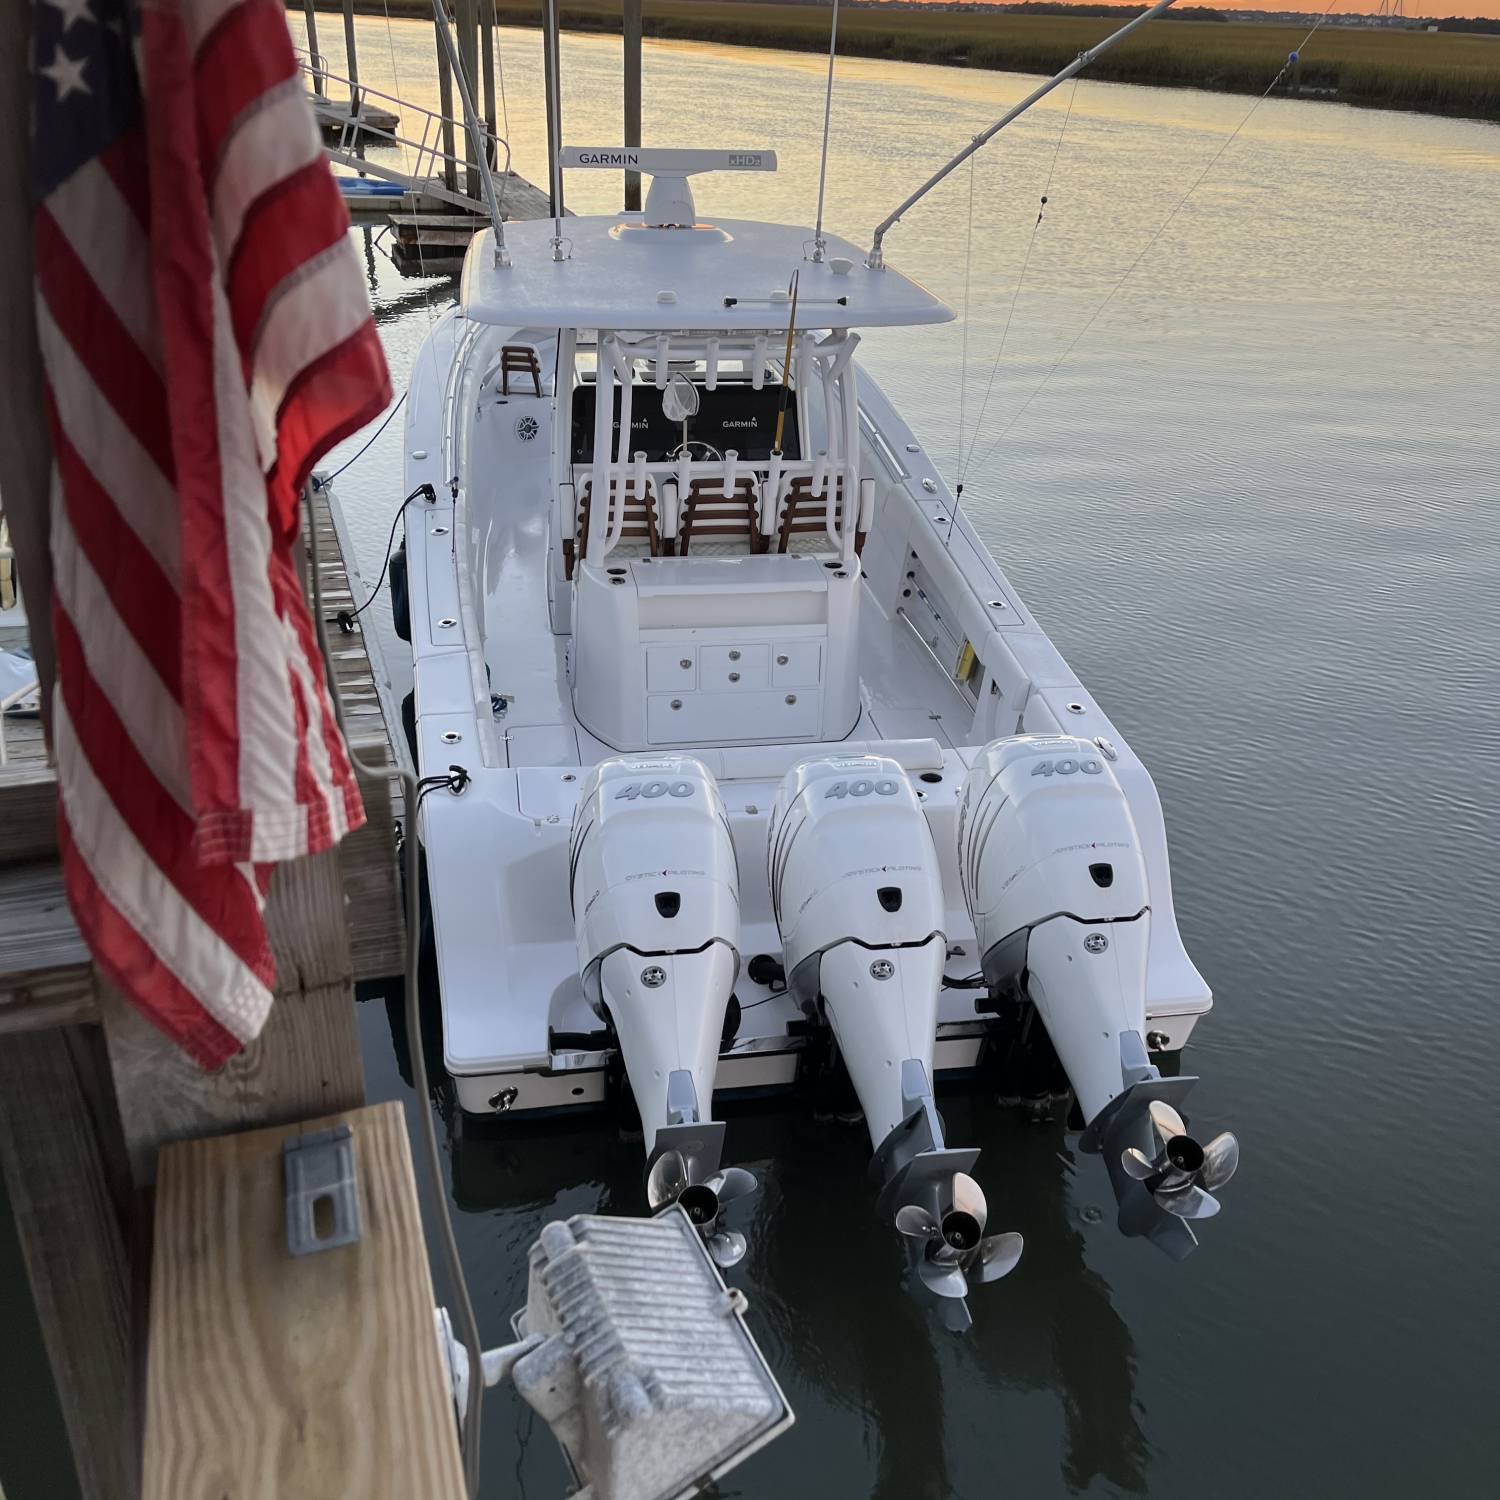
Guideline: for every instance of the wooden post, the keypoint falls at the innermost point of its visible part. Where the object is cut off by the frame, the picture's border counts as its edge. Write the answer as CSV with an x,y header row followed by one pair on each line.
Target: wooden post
x,y
445,105
71,1197
25,450
632,96
273,1375
320,85
467,14
487,70
306,1061
351,55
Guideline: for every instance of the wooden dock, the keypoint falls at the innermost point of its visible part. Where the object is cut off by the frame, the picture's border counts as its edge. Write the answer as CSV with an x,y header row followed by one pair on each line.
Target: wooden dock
x,y
191,1354
45,977
90,1093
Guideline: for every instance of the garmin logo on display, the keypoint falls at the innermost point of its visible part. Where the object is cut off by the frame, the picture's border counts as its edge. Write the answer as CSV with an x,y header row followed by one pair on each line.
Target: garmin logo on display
x,y
608,158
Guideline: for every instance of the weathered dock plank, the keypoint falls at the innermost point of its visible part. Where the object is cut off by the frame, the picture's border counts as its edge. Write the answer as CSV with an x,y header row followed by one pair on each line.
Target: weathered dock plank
x,y
28,812
367,858
322,1375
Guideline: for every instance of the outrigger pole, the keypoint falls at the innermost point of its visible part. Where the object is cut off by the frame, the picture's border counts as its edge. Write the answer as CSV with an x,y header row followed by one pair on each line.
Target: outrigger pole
x,y
876,259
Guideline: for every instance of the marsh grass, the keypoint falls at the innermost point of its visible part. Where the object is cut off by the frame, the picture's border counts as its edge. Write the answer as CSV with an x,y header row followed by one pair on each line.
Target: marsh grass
x,y
1443,73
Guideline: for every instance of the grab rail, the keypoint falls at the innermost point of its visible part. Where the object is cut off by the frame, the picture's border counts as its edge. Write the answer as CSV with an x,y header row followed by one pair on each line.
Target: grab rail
x,y
423,156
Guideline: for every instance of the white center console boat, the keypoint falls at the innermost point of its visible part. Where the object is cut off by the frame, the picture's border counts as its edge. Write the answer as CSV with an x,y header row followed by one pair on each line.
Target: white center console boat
x,y
763,758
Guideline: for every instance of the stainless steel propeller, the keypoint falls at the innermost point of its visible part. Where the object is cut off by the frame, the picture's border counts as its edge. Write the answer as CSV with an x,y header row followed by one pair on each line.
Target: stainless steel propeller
x,y
666,1180
670,1180
1182,1175
957,1250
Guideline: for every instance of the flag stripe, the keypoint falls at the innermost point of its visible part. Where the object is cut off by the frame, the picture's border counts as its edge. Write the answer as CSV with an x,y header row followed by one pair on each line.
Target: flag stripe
x,y
306,426
90,215
139,593
267,147
235,78
141,493
125,162
126,377
163,831
187,949
131,966
264,257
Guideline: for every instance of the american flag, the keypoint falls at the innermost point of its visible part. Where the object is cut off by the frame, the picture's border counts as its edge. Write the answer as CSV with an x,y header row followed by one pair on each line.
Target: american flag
x,y
206,337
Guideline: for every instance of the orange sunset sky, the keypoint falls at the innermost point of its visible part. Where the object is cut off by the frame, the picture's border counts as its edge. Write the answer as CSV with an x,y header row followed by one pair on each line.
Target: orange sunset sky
x,y
1412,8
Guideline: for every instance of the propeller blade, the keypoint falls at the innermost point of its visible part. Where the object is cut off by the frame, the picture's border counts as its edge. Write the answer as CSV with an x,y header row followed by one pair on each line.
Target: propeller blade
x,y
946,1281
1166,1120
998,1256
732,1183
914,1220
666,1180
1220,1158
968,1198
1194,1203
956,1317
727,1248
1137,1163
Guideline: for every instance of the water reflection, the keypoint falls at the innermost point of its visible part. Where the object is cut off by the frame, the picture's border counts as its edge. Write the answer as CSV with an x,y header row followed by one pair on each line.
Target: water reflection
x,y
1274,562
826,1281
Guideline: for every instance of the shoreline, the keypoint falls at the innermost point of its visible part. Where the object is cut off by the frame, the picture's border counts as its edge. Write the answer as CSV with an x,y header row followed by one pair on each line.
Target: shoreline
x,y
1456,75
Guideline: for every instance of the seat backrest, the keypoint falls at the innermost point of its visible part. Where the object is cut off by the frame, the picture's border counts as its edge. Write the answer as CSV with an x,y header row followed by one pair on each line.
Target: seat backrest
x,y
638,524
805,512
710,510
519,359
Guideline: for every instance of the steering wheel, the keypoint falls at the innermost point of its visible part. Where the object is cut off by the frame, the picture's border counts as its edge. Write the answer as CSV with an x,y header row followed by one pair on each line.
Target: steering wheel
x,y
686,450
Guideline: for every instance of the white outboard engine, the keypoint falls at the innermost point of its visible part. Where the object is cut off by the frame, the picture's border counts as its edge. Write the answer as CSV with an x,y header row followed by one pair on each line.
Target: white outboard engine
x,y
1053,873
858,896
655,892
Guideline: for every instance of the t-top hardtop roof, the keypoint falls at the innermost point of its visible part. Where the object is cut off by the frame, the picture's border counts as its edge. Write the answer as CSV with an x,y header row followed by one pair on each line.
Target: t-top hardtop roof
x,y
729,276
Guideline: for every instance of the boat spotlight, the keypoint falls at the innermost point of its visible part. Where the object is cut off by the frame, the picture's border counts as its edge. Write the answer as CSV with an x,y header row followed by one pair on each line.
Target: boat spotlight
x,y
636,1355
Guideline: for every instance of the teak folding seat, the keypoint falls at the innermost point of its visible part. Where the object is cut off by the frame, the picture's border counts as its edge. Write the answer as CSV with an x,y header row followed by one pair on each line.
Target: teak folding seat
x,y
804,513
710,511
640,523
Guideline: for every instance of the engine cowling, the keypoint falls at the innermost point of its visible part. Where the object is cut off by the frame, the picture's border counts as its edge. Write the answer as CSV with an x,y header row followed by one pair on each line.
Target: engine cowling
x,y
655,892
1052,868
1052,872
858,895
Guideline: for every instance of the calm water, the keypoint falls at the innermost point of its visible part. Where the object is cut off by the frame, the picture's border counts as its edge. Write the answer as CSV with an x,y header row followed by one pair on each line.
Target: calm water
x,y
1255,508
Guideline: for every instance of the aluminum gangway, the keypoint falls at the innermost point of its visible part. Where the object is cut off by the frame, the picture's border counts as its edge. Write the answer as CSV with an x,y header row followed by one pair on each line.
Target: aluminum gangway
x,y
427,165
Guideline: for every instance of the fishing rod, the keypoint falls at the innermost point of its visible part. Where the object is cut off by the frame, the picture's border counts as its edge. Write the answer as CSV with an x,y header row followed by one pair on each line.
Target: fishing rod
x,y
786,365
876,259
